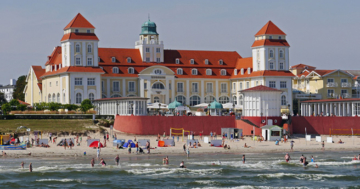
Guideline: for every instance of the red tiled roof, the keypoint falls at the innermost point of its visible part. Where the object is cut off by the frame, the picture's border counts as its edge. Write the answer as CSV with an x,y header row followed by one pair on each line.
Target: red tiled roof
x,y
22,102
79,36
323,72
55,57
270,42
40,86
38,72
74,69
121,98
263,73
261,88
79,22
333,100
244,63
303,66
270,28
305,73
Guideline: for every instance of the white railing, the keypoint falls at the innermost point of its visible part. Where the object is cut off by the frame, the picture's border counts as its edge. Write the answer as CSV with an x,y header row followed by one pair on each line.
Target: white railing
x,y
332,84
346,95
356,96
150,42
345,84
331,95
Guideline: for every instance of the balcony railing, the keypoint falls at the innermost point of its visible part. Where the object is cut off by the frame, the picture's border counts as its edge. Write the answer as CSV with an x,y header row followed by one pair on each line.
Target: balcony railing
x,y
345,84
331,95
345,95
356,96
332,84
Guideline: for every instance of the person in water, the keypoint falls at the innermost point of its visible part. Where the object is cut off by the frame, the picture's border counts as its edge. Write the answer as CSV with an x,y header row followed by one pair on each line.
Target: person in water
x,y
182,165
30,167
316,166
302,159
323,145
167,160
312,159
102,162
92,162
305,162
117,159
355,158
243,159
22,164
287,157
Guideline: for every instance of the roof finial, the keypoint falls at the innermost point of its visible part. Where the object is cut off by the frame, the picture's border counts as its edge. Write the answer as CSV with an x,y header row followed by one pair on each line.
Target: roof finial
x,y
149,16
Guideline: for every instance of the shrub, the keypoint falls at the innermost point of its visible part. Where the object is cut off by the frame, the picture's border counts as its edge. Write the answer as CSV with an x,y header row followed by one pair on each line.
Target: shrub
x,y
54,106
21,107
6,108
86,105
71,107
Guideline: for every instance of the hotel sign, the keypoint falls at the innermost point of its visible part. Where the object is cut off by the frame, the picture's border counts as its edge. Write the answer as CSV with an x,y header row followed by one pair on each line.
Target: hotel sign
x,y
308,96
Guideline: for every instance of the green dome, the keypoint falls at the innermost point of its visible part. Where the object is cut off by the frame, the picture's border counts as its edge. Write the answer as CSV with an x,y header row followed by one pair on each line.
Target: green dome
x,y
215,105
174,104
148,28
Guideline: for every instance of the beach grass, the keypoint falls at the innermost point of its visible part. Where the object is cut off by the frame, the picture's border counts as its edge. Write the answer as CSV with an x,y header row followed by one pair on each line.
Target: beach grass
x,y
47,125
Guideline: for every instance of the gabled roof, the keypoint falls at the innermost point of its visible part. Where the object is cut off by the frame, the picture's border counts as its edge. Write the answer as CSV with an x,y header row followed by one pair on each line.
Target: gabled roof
x,y
74,69
40,86
304,66
80,36
324,72
39,71
269,29
261,88
79,22
271,42
22,102
55,57
338,70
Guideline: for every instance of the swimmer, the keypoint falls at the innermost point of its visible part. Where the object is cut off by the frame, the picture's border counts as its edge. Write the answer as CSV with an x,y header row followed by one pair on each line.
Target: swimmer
x,y
359,157
102,162
316,166
305,162
30,167
22,164
355,158
312,159
117,159
287,157
302,159
164,160
182,165
167,160
92,162
243,159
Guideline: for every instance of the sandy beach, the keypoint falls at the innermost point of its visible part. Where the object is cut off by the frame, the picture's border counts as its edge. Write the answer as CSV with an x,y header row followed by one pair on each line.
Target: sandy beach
x,y
237,146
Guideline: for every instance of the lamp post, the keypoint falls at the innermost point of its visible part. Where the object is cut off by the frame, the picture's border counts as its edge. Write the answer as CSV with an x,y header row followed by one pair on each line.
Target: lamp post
x,y
289,108
209,108
132,108
159,108
117,107
233,107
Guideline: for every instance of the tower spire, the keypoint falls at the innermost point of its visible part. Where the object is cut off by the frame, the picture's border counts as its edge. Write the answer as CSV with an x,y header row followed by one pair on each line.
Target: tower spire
x,y
149,16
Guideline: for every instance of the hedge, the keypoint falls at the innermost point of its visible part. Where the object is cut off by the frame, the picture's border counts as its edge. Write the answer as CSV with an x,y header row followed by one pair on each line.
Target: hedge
x,y
55,116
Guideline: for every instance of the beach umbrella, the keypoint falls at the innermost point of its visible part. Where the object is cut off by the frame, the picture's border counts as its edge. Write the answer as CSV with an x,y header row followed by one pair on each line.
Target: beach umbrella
x,y
96,144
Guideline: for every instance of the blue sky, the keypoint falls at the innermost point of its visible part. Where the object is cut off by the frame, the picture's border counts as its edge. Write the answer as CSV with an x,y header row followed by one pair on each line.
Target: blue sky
x,y
321,33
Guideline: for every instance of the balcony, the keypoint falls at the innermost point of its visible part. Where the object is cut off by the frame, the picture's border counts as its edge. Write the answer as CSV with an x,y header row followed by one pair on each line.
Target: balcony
x,y
331,95
355,96
144,42
345,84
345,95
332,84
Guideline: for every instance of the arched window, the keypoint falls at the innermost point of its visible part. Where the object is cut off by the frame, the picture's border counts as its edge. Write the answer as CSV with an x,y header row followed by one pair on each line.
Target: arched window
x,y
78,98
283,100
241,100
114,96
181,99
271,54
208,72
235,100
194,71
209,99
281,54
223,72
49,98
194,100
77,48
221,62
206,61
131,70
156,99
177,61
58,97
115,70
223,100
89,49
129,60
179,71
91,97
157,71
158,85
53,98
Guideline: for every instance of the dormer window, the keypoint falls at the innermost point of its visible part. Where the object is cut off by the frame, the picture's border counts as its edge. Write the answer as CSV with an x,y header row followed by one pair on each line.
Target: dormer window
x,y
179,71
192,61
131,70
194,71
99,59
206,61
208,72
177,61
221,62
115,70
279,37
235,71
76,30
270,37
223,72
242,71
249,70
87,31
128,59
113,59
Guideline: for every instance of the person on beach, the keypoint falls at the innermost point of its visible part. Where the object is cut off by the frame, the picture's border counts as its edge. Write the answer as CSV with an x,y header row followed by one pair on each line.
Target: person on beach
x,y
184,147
287,157
98,153
137,147
50,136
182,165
246,146
323,145
107,136
104,136
148,147
102,162
211,135
312,159
129,148
292,145
71,144
65,144
32,141
134,138
188,152
243,159
115,137
117,159
30,167
22,164
80,139
92,162
164,135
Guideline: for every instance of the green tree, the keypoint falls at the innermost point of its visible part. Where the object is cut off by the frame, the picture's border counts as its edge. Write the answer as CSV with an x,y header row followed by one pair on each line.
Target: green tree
x,y
71,107
6,108
53,106
41,106
86,105
19,88
2,99
21,107
14,104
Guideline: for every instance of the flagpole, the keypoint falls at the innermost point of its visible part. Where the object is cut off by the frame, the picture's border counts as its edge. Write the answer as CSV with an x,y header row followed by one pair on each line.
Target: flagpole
x,y
305,137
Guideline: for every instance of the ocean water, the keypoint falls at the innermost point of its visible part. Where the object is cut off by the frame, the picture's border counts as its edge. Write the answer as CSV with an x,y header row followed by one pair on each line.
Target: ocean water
x,y
336,170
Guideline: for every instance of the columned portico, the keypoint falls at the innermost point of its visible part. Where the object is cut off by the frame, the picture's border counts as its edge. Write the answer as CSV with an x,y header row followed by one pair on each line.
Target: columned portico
x,y
331,107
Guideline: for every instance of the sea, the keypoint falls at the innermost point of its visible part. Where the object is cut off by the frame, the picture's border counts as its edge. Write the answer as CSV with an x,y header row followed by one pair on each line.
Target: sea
x,y
335,170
